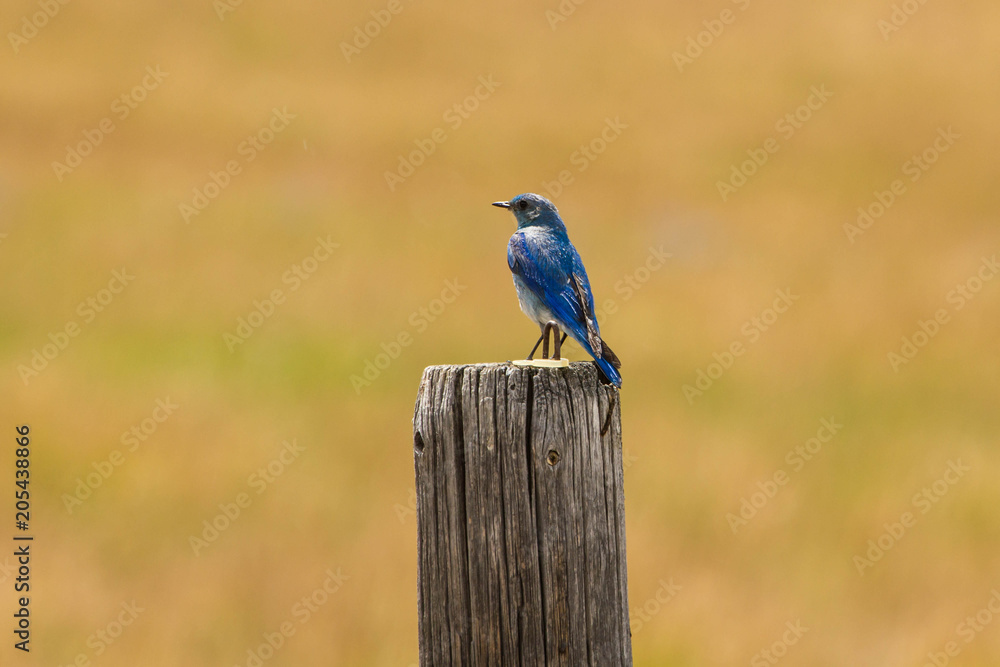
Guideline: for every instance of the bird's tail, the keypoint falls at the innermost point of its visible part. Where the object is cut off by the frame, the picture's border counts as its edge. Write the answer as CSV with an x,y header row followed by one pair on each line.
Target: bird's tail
x,y
609,365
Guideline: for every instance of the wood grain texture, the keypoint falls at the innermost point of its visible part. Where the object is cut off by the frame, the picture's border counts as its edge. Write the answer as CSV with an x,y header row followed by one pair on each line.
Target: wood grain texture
x,y
520,517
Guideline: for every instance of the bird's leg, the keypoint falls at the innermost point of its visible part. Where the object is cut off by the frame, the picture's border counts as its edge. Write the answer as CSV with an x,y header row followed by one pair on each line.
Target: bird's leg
x,y
554,328
537,342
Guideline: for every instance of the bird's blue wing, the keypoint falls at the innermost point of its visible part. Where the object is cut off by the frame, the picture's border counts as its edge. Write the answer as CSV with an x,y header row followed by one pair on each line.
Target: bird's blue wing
x,y
556,275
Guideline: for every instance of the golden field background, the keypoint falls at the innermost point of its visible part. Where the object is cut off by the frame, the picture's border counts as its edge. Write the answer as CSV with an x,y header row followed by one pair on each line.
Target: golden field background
x,y
342,504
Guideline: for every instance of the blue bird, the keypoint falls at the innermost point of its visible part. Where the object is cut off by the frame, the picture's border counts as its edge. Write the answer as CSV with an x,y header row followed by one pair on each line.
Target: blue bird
x,y
552,285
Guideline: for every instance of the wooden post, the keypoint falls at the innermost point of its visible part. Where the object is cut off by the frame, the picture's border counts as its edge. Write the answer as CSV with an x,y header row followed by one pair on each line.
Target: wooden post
x,y
520,517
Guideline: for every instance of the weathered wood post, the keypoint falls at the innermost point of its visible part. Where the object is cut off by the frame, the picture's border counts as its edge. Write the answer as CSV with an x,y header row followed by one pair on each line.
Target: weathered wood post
x,y
520,517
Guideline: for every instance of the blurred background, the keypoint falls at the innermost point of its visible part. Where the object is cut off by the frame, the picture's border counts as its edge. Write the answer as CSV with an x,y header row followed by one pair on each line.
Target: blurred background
x,y
234,233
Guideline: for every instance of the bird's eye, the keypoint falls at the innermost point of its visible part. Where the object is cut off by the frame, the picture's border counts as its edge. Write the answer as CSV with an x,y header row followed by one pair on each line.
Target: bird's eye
x,y
522,205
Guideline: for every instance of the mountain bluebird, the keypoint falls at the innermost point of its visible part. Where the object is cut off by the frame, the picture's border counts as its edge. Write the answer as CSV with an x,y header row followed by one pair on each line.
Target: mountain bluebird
x,y
551,282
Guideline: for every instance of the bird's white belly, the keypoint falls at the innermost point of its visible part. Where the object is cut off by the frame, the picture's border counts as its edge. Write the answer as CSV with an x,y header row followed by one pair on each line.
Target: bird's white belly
x,y
531,305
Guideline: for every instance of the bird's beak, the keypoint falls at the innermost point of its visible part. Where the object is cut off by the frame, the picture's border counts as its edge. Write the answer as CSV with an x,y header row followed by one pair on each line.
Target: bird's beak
x,y
502,204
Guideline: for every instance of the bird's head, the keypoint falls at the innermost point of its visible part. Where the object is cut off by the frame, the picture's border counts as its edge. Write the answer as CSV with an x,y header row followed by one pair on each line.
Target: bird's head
x,y
533,210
